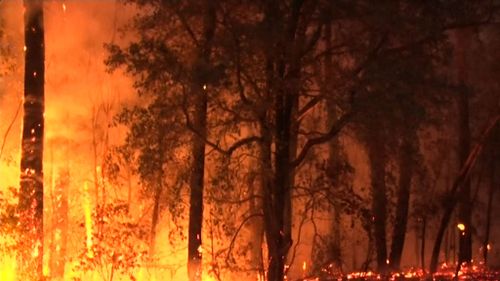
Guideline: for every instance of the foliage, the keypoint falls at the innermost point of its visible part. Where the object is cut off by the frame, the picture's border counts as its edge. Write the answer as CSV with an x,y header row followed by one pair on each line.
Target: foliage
x,y
119,244
9,219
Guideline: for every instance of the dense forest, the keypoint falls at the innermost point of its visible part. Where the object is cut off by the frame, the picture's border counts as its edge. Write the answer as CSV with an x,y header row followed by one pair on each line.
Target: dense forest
x,y
249,140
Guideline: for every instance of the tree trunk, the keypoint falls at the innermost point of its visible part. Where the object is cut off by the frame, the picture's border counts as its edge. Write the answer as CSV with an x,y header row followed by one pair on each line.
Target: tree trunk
x,y
422,246
377,158
196,184
405,177
489,208
465,209
272,234
281,187
455,191
255,187
277,191
155,217
31,185
199,91
334,151
465,206
283,88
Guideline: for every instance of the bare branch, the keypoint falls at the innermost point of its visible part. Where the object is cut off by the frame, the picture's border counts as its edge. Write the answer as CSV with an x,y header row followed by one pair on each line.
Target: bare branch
x,y
240,227
185,23
236,145
240,201
10,127
334,130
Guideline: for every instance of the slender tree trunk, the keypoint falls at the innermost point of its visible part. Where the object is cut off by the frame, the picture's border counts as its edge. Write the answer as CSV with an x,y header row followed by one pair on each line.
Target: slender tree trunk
x,y
465,206
282,187
272,234
278,185
156,215
422,246
489,208
283,86
31,185
334,151
199,91
405,177
95,114
455,191
255,186
196,197
377,158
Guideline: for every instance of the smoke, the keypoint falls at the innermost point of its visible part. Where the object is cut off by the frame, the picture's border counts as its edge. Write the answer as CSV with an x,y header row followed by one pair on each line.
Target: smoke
x,y
80,95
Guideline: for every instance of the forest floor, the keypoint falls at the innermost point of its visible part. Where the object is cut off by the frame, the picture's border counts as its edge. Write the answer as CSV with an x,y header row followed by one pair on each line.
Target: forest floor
x,y
475,273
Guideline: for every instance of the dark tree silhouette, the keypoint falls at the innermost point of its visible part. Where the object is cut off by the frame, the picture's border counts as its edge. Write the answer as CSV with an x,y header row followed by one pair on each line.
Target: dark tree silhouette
x,y
31,186
199,74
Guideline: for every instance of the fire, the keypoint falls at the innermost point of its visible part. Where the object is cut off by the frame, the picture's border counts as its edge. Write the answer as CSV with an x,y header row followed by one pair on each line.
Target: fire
x,y
87,209
7,268
461,226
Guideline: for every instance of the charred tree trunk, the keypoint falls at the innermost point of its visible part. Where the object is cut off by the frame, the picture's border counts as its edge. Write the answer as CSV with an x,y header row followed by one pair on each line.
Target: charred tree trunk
x,y
199,89
282,188
422,246
277,204
465,206
31,186
283,86
155,217
334,152
197,184
158,190
272,230
279,223
255,187
489,208
405,178
377,158
455,191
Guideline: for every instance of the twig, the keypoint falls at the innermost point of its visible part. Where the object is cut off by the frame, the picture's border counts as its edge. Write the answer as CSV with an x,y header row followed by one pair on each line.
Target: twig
x,y
10,127
231,245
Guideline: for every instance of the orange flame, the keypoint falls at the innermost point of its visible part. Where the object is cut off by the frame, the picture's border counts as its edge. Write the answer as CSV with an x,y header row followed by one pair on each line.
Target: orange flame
x,y
88,218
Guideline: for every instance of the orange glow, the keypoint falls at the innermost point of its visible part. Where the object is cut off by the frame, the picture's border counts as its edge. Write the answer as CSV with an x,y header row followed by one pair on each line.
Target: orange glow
x,y
7,268
87,209
77,82
8,261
